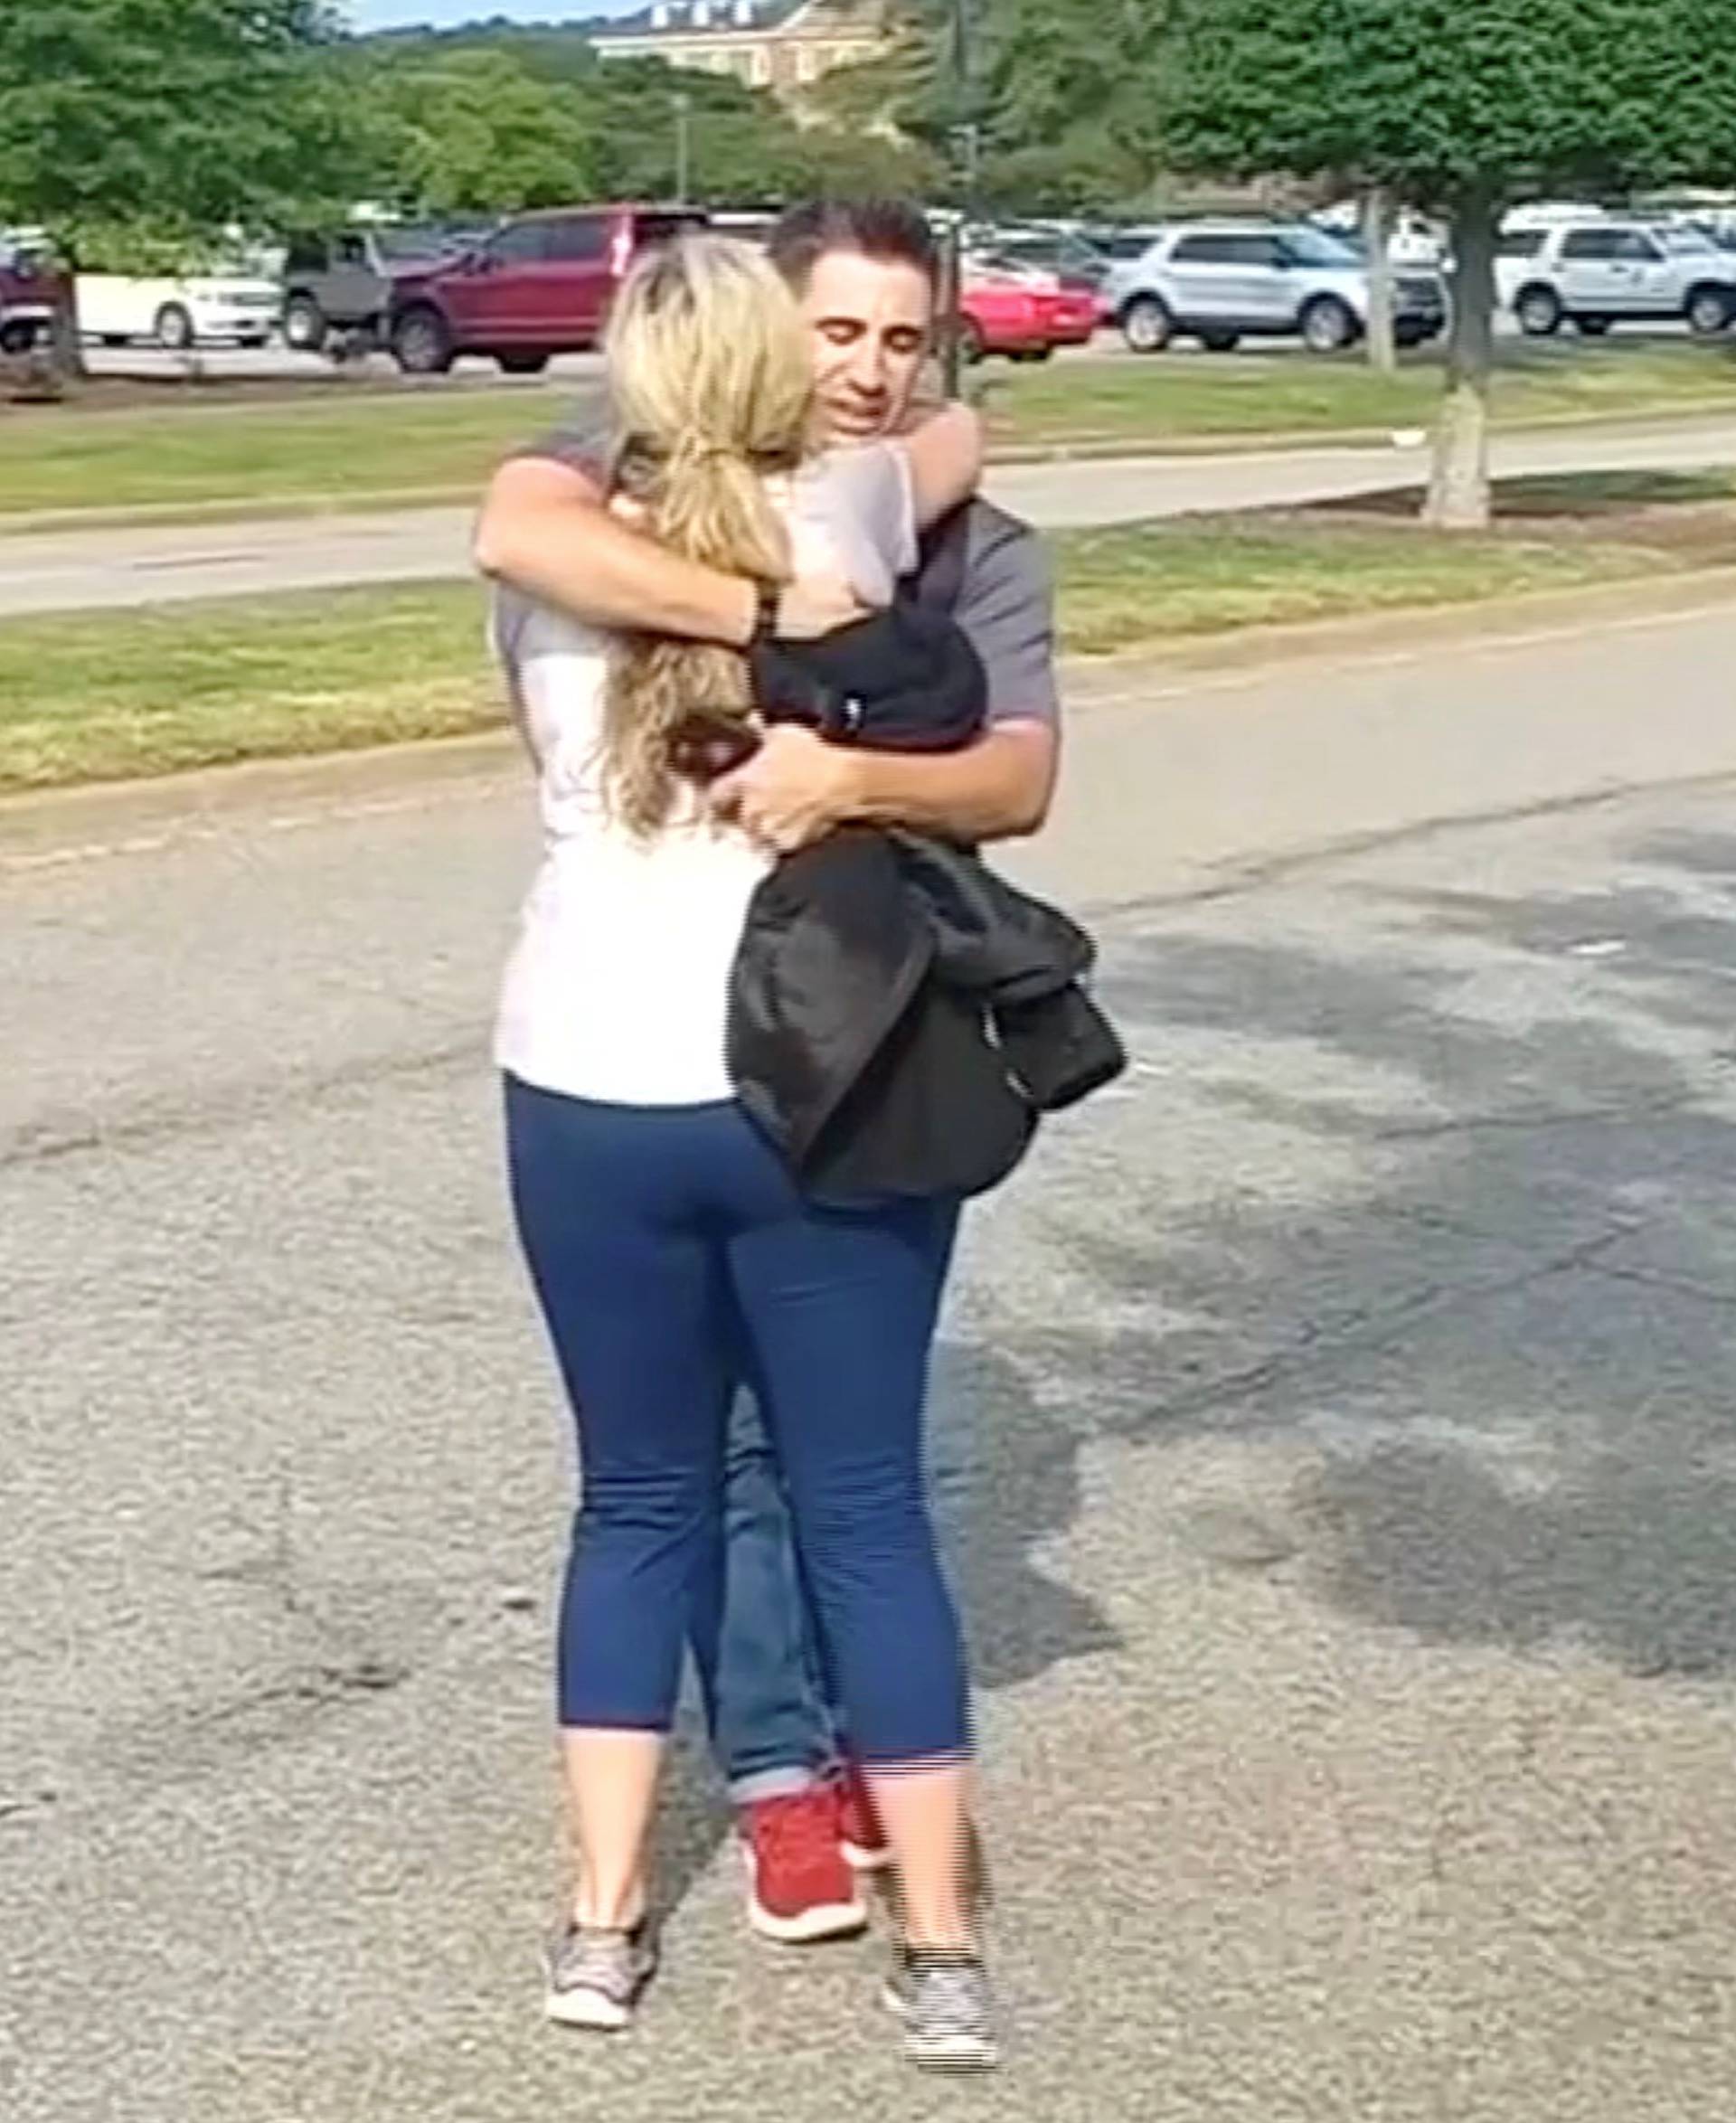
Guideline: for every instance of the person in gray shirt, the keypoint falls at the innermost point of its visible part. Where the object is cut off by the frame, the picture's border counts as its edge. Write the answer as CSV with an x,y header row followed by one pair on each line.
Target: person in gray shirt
x,y
867,275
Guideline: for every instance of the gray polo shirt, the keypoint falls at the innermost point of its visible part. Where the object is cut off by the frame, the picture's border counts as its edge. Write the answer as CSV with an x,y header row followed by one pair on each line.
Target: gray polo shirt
x,y
1004,599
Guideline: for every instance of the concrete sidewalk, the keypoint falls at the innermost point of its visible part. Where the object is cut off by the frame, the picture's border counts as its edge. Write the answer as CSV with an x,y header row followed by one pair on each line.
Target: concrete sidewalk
x,y
70,569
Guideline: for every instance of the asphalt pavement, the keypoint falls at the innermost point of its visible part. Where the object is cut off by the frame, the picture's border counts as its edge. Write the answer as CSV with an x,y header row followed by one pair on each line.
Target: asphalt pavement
x,y
1333,1429
131,565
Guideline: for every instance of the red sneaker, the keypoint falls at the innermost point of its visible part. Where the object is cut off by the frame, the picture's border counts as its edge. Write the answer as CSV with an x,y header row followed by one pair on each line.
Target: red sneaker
x,y
860,1834
800,1888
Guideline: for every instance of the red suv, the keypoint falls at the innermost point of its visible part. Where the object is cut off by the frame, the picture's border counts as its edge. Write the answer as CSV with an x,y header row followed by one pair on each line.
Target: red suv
x,y
31,288
541,285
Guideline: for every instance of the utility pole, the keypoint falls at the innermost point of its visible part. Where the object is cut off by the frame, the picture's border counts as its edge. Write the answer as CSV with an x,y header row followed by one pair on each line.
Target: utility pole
x,y
965,145
683,147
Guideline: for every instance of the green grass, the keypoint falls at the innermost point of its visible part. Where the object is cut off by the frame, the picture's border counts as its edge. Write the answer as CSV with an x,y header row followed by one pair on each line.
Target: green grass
x,y
1155,582
380,442
116,694
1184,397
339,447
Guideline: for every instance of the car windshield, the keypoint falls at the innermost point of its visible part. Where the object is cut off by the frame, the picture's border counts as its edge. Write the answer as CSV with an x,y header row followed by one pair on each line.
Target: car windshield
x,y
1687,241
1314,247
397,246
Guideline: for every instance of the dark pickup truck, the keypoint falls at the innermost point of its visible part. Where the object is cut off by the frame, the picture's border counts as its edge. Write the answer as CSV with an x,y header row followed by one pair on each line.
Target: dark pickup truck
x,y
342,283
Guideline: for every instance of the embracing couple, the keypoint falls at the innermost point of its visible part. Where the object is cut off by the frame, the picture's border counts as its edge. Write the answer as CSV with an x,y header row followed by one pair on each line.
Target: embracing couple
x,y
779,670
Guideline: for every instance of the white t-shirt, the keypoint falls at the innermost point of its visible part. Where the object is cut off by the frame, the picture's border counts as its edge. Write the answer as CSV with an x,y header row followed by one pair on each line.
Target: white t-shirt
x,y
617,989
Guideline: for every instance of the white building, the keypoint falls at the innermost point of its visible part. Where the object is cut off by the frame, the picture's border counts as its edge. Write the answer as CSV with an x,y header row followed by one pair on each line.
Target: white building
x,y
784,45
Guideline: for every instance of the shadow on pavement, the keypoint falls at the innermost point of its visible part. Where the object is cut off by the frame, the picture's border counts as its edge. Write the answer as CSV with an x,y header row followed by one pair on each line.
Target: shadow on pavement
x,y
1506,1340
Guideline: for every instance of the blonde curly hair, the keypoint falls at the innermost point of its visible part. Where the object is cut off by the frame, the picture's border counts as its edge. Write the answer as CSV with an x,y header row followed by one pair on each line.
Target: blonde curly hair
x,y
712,385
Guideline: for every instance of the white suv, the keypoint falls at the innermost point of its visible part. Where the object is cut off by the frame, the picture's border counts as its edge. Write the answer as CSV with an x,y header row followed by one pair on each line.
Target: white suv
x,y
1595,273
1219,282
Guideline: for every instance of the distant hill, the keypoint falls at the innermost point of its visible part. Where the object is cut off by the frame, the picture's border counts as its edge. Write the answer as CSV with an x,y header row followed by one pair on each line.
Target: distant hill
x,y
556,51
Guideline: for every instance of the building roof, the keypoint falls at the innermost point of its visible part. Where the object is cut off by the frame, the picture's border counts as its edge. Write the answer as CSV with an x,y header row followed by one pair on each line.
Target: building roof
x,y
686,18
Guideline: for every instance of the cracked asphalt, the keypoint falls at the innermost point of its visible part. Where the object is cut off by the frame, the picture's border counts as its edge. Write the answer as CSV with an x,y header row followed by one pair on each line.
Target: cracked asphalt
x,y
1334,1433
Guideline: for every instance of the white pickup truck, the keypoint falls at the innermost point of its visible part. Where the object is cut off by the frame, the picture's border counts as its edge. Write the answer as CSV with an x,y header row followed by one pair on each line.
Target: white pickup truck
x,y
178,312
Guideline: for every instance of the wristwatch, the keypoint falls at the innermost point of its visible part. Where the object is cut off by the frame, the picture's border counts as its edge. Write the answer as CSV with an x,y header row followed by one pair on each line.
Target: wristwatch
x,y
768,598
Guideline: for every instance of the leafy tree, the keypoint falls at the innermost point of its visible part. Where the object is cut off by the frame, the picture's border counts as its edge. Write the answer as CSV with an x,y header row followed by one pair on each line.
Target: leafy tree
x,y
141,131
1060,93
498,118
1463,107
470,132
177,119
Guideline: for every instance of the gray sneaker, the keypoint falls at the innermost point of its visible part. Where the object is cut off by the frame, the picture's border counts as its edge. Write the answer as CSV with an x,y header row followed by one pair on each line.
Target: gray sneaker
x,y
595,1977
949,2014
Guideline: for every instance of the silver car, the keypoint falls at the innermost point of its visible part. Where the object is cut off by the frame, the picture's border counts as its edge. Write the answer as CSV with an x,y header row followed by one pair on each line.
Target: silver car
x,y
1221,282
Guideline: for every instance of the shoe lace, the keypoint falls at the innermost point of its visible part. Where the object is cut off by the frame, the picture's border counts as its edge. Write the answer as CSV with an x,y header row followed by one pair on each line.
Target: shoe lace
x,y
592,1959
799,1830
952,1992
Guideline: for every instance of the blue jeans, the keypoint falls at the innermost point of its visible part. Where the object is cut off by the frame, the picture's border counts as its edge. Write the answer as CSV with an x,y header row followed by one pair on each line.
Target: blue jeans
x,y
672,1256
773,1729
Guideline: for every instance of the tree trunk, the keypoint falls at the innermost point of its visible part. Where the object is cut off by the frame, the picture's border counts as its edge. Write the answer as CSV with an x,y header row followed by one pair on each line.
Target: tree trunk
x,y
1459,487
66,342
1377,238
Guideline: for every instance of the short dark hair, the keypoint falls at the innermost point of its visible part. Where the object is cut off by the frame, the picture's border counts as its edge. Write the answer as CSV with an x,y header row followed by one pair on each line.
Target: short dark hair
x,y
892,231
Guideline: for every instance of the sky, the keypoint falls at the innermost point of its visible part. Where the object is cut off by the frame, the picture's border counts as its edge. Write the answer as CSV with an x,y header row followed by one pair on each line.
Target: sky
x,y
393,15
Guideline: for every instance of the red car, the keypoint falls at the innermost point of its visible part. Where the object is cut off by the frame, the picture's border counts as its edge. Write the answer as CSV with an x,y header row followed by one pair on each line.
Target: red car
x,y
1025,316
541,285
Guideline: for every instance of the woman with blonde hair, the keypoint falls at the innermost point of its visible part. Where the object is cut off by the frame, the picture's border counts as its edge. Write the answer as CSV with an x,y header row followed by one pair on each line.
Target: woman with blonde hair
x,y
673,1254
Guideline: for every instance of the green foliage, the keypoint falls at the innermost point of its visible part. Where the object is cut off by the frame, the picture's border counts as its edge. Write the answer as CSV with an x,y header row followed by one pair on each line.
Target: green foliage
x,y
1063,93
1441,98
470,132
166,121
610,124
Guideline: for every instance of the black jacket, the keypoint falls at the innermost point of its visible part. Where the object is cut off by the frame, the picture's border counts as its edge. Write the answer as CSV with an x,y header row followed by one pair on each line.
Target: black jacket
x,y
899,1015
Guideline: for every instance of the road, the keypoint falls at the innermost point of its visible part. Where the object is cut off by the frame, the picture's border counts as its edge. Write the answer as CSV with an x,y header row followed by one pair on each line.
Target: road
x,y
280,362
1333,1429
66,571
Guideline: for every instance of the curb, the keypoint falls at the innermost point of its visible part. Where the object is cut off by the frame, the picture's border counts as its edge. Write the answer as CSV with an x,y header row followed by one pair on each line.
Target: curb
x,y
43,829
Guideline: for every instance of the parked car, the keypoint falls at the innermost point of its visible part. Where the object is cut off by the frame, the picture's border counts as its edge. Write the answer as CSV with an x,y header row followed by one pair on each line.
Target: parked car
x,y
1595,273
1219,282
31,287
541,285
177,311
1124,244
1413,240
342,282
1022,313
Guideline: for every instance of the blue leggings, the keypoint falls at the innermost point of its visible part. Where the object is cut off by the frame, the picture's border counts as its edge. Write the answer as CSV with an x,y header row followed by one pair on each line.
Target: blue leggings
x,y
673,1257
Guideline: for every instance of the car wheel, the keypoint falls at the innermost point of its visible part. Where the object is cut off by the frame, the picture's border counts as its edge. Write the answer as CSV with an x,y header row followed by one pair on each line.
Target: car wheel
x,y
523,364
174,327
1326,325
304,324
1147,325
1708,311
421,343
1539,312
1592,327
972,347
17,338
1219,342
